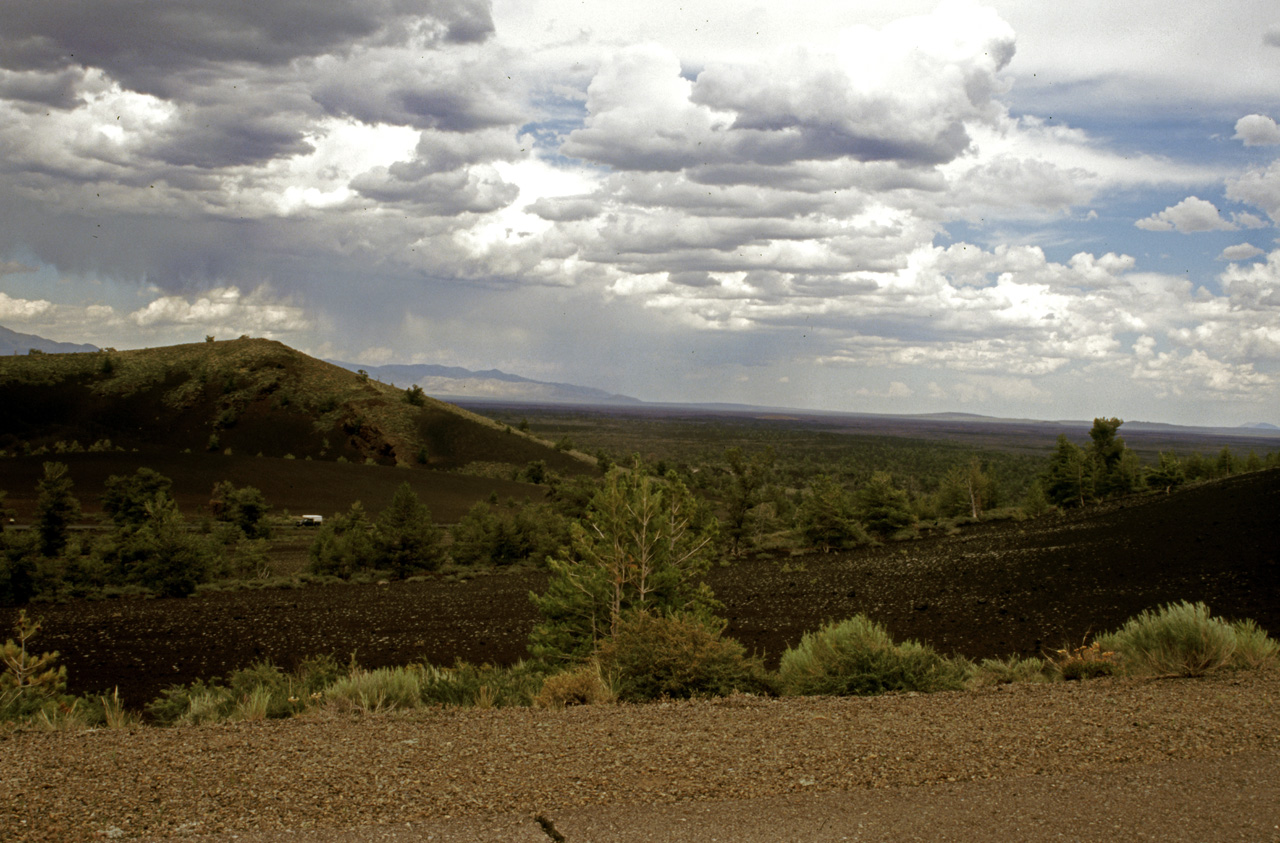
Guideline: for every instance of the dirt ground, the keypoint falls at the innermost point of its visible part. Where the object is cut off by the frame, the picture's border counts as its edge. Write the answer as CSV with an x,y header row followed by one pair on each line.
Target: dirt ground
x,y
993,590
1099,761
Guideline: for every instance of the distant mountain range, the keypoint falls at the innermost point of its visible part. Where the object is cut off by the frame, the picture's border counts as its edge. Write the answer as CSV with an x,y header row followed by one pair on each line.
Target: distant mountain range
x,y
456,384
451,383
12,342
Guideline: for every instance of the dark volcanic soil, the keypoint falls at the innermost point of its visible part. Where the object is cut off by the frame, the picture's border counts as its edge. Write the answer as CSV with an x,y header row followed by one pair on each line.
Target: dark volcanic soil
x,y
993,590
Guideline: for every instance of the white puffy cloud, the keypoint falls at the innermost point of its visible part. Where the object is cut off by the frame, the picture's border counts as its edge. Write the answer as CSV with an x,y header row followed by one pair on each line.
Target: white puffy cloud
x,y
224,310
1190,215
23,310
1259,187
1240,252
1257,130
1195,372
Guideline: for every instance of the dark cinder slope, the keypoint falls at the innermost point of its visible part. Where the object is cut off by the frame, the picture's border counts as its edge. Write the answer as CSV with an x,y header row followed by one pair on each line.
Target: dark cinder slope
x,y
995,590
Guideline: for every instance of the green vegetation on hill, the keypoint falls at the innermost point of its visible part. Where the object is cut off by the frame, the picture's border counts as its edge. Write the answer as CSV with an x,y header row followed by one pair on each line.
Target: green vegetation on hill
x,y
248,396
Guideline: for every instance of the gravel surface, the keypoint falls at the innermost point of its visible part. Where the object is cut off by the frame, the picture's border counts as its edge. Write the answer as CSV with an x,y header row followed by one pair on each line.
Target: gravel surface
x,y
430,769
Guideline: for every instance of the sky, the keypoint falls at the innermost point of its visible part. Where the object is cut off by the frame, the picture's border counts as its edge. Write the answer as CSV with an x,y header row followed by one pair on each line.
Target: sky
x,y
1013,208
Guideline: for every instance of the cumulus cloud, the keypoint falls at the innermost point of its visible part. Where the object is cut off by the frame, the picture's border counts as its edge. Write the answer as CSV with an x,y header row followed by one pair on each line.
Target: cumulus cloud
x,y
190,36
1257,130
1190,215
1259,187
224,310
900,94
1240,252
1189,373
23,310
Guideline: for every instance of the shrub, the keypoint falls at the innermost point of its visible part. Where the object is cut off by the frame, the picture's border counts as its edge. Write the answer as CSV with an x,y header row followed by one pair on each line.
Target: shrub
x,y
1254,648
677,656
1186,640
858,657
1084,662
584,685
382,689
1008,671
480,686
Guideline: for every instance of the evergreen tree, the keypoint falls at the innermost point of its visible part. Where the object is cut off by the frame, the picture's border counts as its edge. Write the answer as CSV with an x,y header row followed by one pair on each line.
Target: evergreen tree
x,y
344,544
1168,474
643,546
883,508
825,517
1068,481
125,499
56,508
406,540
158,553
245,508
967,490
748,479
1116,469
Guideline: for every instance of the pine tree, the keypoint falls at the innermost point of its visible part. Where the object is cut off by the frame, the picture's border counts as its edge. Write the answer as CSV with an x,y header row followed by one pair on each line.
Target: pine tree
x,y
644,545
747,483
406,540
56,508
882,507
1068,481
28,680
825,517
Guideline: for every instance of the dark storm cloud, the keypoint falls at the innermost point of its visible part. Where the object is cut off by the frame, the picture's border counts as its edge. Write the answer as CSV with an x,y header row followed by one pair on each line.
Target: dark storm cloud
x,y
142,42
233,133
439,194
418,95
49,90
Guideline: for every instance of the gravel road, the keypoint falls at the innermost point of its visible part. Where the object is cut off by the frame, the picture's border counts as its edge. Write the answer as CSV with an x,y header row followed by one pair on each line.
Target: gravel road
x,y
594,772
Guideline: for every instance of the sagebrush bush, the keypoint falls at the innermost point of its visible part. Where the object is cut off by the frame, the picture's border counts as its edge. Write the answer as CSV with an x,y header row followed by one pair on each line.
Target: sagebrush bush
x,y
677,656
1008,671
1254,648
1186,640
584,685
381,689
858,657
481,686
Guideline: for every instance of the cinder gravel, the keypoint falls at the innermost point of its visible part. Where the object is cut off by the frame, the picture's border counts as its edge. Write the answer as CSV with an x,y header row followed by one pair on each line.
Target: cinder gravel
x,y
451,774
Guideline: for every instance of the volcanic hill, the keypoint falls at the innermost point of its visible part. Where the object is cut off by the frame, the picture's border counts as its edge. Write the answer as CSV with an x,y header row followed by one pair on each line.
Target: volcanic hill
x,y
245,396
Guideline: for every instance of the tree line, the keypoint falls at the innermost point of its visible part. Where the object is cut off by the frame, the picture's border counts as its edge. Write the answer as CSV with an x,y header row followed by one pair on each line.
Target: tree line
x,y
742,504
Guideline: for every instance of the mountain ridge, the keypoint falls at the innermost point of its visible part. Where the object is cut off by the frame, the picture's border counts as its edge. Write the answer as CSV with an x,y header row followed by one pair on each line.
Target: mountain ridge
x,y
13,343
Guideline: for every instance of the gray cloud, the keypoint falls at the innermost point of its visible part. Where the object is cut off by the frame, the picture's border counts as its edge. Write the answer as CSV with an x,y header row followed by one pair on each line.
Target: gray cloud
x,y
144,43
59,89
427,92
236,131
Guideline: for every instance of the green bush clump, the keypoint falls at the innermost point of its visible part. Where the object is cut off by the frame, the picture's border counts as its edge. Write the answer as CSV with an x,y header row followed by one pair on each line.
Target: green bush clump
x,y
1186,640
381,689
584,685
857,657
678,656
1008,671
481,686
